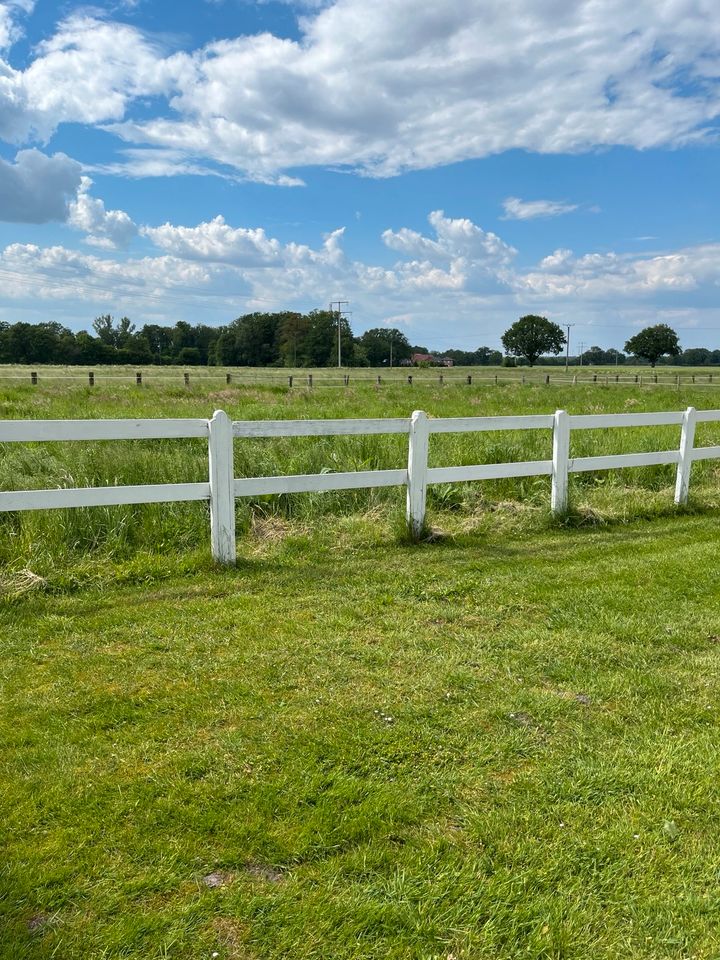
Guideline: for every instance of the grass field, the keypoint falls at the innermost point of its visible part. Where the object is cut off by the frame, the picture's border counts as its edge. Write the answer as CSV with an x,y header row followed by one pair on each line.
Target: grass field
x,y
498,744
79,539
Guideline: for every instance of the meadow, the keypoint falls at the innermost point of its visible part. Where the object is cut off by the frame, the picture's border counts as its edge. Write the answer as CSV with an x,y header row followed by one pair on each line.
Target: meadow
x,y
497,743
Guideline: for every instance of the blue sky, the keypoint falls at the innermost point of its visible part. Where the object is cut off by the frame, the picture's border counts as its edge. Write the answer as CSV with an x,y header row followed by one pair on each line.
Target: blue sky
x,y
445,168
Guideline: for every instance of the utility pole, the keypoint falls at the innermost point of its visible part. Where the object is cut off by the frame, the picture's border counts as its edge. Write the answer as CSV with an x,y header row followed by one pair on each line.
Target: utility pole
x,y
340,312
391,346
567,350
582,350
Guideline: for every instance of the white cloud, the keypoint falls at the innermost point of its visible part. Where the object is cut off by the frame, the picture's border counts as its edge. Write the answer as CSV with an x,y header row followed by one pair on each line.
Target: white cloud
x,y
381,86
453,239
216,241
517,209
10,30
36,188
88,72
458,285
104,228
607,275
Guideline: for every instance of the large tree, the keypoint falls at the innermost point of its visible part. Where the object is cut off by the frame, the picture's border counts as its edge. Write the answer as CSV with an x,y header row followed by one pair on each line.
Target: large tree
x,y
383,343
531,337
654,342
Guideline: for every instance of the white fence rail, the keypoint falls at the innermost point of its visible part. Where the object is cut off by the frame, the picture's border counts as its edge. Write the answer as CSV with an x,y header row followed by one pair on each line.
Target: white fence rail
x,y
223,487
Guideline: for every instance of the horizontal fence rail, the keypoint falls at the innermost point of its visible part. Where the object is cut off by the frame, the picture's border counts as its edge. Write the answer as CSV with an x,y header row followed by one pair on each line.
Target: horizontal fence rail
x,y
222,487
329,378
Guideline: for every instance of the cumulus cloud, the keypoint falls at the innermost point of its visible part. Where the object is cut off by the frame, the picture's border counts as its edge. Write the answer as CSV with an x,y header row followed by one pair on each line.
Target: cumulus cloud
x,y
216,241
517,209
382,86
88,72
453,238
457,284
104,228
603,275
35,188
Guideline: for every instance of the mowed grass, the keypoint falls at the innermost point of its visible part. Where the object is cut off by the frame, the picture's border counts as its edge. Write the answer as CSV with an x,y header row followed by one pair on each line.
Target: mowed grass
x,y
501,743
497,745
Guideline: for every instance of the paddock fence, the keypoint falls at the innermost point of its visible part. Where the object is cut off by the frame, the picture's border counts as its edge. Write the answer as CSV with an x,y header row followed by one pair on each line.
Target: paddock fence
x,y
358,377
222,487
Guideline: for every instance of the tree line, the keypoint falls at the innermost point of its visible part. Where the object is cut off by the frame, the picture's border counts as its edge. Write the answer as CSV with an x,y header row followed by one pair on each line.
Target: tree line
x,y
532,337
254,340
290,339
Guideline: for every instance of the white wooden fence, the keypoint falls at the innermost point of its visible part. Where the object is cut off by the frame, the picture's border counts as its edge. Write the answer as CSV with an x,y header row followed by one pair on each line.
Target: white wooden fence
x,y
222,487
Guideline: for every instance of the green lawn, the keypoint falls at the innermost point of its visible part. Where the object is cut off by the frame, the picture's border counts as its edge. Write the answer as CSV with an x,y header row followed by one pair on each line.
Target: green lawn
x,y
502,744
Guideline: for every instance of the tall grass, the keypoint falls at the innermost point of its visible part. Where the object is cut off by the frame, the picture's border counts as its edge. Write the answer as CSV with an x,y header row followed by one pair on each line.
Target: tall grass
x,y
48,538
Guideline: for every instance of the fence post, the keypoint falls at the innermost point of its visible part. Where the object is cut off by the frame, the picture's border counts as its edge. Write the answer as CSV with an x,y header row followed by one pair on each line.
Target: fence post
x,y
547,379
91,379
441,379
687,441
33,378
138,379
186,378
561,455
290,381
309,379
410,379
222,489
379,380
228,378
469,379
417,472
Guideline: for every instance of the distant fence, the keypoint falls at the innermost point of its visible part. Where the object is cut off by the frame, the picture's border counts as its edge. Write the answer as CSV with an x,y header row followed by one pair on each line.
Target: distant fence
x,y
409,376
222,487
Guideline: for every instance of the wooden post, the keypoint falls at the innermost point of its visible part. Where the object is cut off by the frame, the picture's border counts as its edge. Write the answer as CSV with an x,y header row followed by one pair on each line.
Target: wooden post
x,y
222,489
91,379
33,378
417,472
495,379
290,381
440,378
309,379
379,380
469,379
574,379
346,379
410,379
547,379
186,377
138,379
636,378
523,379
228,378
561,456
687,441
594,378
